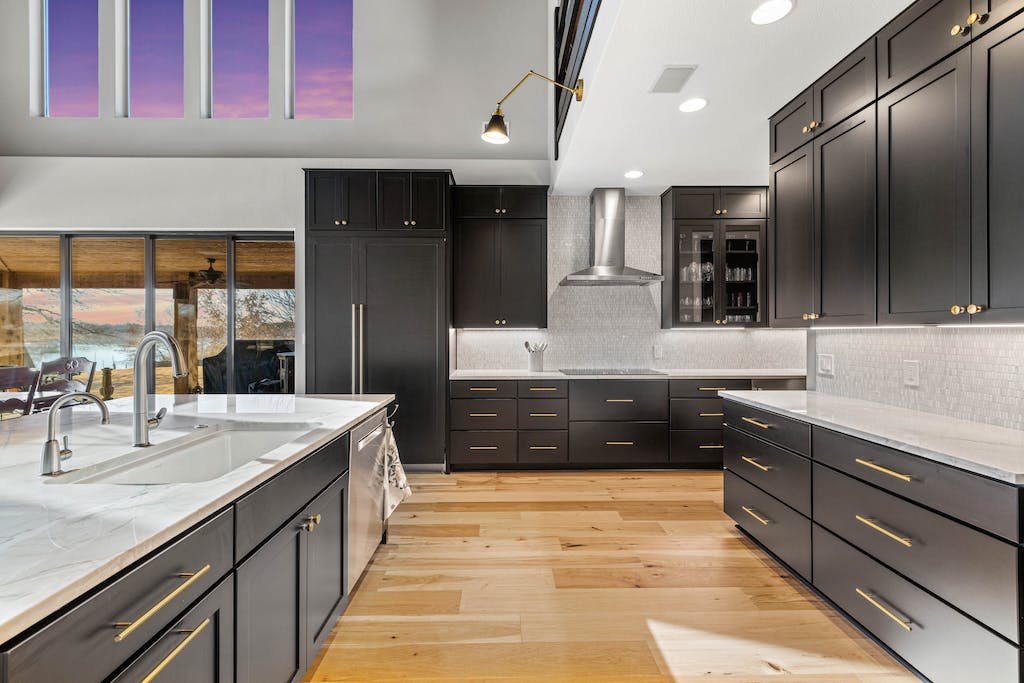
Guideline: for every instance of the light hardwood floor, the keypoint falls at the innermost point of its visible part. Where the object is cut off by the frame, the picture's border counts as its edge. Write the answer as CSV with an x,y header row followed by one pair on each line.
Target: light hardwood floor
x,y
600,577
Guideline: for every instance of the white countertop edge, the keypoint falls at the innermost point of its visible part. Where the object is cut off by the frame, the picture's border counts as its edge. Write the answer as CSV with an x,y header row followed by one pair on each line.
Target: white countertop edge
x,y
60,598
712,373
758,400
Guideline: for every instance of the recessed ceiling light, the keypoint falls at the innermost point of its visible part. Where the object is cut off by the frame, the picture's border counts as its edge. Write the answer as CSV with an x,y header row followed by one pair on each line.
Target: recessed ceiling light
x,y
770,11
634,174
693,104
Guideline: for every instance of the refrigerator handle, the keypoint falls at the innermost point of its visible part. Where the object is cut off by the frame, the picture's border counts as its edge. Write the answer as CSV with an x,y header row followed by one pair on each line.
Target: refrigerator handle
x,y
354,349
362,354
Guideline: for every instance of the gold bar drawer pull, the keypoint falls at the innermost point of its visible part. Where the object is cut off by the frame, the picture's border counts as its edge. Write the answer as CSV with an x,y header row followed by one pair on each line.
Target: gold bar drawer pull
x,y
902,540
543,388
483,415
179,648
618,400
711,389
750,511
543,414
129,627
543,448
711,447
887,611
618,443
483,388
755,463
884,470
483,448
757,423
710,414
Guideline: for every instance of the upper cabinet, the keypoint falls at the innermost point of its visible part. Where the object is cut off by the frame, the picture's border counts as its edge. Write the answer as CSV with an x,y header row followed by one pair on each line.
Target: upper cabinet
x,y
925,33
489,201
791,234
695,203
847,88
791,126
499,257
350,200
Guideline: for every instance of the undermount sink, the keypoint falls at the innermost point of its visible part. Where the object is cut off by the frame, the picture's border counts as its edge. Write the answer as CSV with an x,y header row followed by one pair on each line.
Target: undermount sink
x,y
207,455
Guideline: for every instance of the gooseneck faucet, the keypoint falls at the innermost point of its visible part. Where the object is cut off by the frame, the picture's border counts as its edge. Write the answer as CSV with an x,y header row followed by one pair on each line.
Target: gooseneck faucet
x,y
53,454
141,422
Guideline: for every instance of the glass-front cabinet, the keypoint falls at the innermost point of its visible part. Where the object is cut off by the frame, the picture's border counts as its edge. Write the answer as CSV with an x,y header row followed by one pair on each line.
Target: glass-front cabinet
x,y
716,274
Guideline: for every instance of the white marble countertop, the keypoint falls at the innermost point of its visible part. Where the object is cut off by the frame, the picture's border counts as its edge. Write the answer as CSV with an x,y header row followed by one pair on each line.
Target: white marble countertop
x,y
995,452
712,373
57,541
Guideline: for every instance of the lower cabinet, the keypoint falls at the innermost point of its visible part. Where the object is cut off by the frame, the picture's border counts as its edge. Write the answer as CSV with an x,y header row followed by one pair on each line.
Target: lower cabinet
x,y
618,444
289,589
777,526
197,648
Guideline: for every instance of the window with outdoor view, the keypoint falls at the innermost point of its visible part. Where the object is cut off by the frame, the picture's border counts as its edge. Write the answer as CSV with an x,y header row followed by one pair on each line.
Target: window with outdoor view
x,y
264,317
156,52
240,59
323,59
72,58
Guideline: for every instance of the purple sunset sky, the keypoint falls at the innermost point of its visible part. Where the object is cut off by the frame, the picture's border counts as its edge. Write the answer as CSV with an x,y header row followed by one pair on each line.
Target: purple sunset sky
x,y
73,61
323,58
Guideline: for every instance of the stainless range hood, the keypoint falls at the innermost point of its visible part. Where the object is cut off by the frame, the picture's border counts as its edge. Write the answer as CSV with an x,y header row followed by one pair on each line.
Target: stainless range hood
x,y
608,244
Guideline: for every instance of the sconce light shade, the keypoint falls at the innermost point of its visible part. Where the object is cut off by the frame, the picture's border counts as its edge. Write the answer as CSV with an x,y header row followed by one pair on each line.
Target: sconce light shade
x,y
496,130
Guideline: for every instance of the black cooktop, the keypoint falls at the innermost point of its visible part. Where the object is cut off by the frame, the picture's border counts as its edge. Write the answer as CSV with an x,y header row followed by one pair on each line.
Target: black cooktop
x,y
609,371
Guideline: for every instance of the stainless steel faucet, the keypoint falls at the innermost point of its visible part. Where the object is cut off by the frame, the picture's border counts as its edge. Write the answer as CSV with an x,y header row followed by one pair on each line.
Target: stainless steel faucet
x,y
53,454
141,422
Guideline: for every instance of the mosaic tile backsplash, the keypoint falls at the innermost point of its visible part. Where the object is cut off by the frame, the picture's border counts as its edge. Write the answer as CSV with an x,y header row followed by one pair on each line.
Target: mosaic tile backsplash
x,y
974,374
620,327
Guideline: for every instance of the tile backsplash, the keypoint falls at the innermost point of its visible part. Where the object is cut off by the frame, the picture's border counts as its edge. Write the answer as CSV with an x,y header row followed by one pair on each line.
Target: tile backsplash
x,y
969,373
620,326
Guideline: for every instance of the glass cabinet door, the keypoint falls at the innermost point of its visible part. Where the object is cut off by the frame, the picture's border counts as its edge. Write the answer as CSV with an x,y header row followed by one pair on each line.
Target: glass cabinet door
x,y
743,245
695,273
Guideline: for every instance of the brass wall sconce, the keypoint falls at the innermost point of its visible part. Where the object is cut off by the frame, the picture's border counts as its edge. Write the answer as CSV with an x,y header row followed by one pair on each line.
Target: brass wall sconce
x,y
496,130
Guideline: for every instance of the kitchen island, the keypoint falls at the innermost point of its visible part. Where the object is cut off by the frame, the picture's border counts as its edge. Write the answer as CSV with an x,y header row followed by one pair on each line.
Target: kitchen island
x,y
117,531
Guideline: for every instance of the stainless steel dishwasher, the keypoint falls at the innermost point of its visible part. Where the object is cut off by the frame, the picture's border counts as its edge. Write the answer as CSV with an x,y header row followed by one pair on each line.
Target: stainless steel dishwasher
x,y
367,486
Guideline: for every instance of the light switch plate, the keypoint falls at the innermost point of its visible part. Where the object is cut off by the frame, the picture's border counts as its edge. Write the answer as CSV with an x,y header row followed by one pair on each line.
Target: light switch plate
x,y
659,352
826,365
911,373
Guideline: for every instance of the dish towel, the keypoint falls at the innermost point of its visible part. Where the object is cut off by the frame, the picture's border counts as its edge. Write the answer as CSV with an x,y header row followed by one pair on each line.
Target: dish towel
x,y
398,486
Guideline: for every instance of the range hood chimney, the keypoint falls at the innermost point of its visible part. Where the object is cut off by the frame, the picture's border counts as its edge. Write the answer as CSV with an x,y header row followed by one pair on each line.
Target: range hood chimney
x,y
608,244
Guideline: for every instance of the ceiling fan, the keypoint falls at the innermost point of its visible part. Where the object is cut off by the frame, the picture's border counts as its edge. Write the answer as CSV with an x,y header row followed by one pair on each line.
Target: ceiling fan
x,y
208,277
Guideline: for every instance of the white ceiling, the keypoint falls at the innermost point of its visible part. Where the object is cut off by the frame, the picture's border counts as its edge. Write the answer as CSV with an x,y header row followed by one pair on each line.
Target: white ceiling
x,y
746,72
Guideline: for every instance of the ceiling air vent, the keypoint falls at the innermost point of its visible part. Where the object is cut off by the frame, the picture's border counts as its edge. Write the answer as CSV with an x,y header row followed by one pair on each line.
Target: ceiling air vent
x,y
672,79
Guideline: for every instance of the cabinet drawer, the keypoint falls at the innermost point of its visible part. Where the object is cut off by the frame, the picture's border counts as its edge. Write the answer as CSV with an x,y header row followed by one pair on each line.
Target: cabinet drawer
x,y
781,529
789,128
778,430
622,444
918,38
696,413
705,388
262,512
483,448
618,399
847,88
967,568
198,648
541,413
976,500
785,475
938,641
543,388
696,448
544,448
484,388
84,636
469,413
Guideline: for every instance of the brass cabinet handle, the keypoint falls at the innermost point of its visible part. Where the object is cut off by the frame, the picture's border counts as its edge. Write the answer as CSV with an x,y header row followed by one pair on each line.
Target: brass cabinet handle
x,y
618,400
958,30
810,316
902,540
405,222
483,388
178,649
881,607
805,129
483,415
813,124
713,447
412,222
974,18
337,222
483,448
543,448
504,210
504,322
497,322
725,211
543,388
712,389
710,414
883,470
957,310
129,627
497,211
618,443
756,516
718,212
757,423
344,222
543,414
974,309
311,523
755,463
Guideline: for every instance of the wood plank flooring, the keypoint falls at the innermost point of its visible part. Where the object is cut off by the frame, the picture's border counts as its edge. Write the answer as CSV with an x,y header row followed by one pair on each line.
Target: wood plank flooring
x,y
635,577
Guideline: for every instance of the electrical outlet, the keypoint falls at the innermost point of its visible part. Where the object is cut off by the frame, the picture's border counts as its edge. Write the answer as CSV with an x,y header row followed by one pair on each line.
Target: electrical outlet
x,y
911,373
659,352
826,365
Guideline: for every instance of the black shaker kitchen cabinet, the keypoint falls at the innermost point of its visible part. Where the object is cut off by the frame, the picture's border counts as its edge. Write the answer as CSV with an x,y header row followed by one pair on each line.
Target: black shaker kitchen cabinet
x,y
410,200
696,203
743,202
290,590
992,13
918,38
523,276
924,193
341,200
846,88
476,293
377,322
791,239
509,201
997,150
844,222
790,127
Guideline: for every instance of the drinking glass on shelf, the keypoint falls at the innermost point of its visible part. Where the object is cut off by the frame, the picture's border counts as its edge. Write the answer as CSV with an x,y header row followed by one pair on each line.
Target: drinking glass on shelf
x,y
709,301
